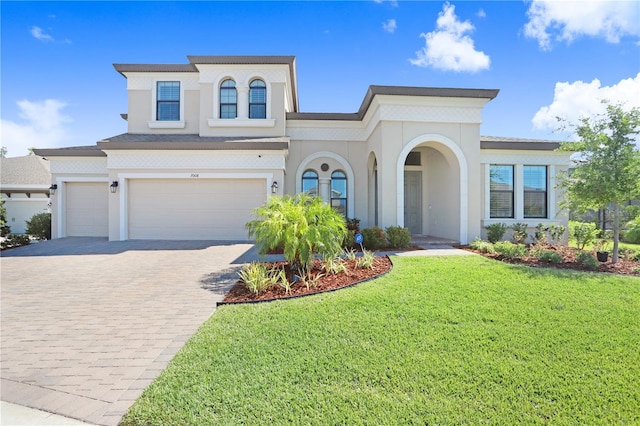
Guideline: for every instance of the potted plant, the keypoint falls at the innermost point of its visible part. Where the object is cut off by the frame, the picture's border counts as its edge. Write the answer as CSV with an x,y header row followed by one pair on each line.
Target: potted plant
x,y
601,254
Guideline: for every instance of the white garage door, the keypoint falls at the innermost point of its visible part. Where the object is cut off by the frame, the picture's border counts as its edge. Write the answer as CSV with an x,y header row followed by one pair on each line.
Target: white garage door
x,y
87,209
194,209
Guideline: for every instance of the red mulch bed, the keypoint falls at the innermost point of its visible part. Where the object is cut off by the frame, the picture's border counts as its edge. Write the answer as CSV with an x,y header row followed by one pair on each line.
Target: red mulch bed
x,y
240,294
622,267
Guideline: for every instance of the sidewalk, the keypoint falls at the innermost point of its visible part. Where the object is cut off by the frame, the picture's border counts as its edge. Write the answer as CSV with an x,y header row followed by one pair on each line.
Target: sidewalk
x,y
12,414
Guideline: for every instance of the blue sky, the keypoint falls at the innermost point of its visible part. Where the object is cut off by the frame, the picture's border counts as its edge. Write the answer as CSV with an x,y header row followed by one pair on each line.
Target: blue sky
x,y
548,58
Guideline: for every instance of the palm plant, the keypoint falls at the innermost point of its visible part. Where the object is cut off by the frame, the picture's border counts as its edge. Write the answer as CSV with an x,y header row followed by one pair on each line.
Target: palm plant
x,y
302,225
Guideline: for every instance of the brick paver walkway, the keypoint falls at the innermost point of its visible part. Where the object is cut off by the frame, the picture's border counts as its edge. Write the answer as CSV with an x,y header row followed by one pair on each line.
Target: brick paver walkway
x,y
87,324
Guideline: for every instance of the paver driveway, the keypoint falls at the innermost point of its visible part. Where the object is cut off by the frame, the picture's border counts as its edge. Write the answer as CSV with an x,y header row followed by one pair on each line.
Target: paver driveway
x,y
87,324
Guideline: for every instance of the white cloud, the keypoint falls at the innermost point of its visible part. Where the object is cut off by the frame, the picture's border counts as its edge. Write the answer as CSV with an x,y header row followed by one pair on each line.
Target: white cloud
x,y
37,33
390,26
572,101
43,127
448,48
567,20
481,14
393,3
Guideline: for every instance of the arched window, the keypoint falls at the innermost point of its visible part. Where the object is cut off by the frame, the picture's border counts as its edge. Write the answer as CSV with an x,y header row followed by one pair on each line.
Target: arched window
x,y
228,99
339,192
257,99
310,182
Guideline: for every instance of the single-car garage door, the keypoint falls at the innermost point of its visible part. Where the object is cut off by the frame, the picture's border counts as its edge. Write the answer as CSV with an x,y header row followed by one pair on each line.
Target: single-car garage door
x,y
193,209
87,209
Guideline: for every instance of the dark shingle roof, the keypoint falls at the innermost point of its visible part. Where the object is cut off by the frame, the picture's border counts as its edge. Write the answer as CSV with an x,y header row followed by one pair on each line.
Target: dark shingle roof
x,y
441,92
499,142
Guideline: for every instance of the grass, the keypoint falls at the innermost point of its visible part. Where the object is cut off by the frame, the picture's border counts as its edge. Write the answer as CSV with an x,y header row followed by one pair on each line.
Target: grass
x,y
458,340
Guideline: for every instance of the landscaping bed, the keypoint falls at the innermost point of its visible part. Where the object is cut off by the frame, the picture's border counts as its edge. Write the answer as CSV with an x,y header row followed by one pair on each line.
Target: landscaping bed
x,y
322,281
569,261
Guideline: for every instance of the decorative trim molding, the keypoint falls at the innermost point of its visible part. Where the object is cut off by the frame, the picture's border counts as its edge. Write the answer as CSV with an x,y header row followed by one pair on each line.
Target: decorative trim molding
x,y
167,124
526,157
240,122
195,160
71,165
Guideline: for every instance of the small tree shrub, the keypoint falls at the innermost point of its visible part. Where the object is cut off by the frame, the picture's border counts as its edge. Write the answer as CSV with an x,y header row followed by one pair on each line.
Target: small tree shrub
x,y
496,231
587,260
4,228
398,236
302,225
482,246
39,226
583,233
549,256
374,238
509,250
334,266
519,233
353,224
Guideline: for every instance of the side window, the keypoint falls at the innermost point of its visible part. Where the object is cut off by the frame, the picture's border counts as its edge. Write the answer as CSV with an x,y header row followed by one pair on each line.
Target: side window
x,y
257,99
339,192
228,99
535,191
501,191
310,182
168,101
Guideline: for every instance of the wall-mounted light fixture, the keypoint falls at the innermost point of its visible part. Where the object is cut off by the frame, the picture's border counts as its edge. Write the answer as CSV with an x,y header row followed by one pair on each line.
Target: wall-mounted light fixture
x,y
52,189
113,187
274,187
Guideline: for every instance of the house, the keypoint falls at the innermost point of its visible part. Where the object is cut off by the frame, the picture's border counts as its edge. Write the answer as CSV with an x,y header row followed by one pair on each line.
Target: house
x,y
211,139
24,185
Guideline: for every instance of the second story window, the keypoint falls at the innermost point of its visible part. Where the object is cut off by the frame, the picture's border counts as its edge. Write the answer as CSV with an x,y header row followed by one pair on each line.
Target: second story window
x,y
168,101
228,99
257,99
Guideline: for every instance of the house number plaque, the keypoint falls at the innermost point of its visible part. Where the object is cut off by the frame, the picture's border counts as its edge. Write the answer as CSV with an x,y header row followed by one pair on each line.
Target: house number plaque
x,y
195,175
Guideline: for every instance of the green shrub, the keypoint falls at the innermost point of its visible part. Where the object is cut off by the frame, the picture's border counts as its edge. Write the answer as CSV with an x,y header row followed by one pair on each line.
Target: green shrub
x,y
557,231
496,231
630,254
632,235
374,238
334,265
39,226
349,254
4,228
353,224
257,277
584,233
350,240
509,250
549,256
366,260
482,246
519,233
540,234
398,236
14,240
302,225
587,260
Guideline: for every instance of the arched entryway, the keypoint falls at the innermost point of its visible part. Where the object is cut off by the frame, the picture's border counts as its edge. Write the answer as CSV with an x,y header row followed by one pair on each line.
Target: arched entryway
x,y
432,191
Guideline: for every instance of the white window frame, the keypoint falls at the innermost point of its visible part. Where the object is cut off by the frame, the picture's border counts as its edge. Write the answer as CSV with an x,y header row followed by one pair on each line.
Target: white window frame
x,y
154,123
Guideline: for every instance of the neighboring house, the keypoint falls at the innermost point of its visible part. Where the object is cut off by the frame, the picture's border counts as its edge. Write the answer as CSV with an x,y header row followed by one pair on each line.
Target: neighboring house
x,y
24,186
210,140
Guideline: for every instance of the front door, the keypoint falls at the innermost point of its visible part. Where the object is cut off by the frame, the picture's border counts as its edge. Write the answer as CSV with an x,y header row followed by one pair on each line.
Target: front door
x,y
413,201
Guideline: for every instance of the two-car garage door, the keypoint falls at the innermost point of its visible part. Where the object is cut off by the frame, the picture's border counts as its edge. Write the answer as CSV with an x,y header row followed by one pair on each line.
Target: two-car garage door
x,y
192,209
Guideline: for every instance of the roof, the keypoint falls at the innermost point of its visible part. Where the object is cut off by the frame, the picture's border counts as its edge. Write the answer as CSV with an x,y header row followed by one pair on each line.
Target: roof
x,y
26,170
71,151
373,91
218,60
499,142
191,142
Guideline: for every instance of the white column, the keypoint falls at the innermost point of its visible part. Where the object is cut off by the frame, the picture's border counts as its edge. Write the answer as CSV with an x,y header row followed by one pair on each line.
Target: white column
x,y
243,101
518,191
324,189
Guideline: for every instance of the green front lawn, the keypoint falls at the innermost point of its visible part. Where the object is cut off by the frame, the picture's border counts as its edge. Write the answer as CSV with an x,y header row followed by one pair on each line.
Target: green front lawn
x,y
457,340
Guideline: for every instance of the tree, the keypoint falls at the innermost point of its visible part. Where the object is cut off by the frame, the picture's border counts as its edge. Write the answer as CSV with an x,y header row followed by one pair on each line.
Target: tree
x,y
301,225
4,229
607,172
3,152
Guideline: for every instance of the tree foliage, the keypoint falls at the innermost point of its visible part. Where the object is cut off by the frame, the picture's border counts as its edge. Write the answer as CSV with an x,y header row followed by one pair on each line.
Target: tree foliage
x,y
607,172
301,225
